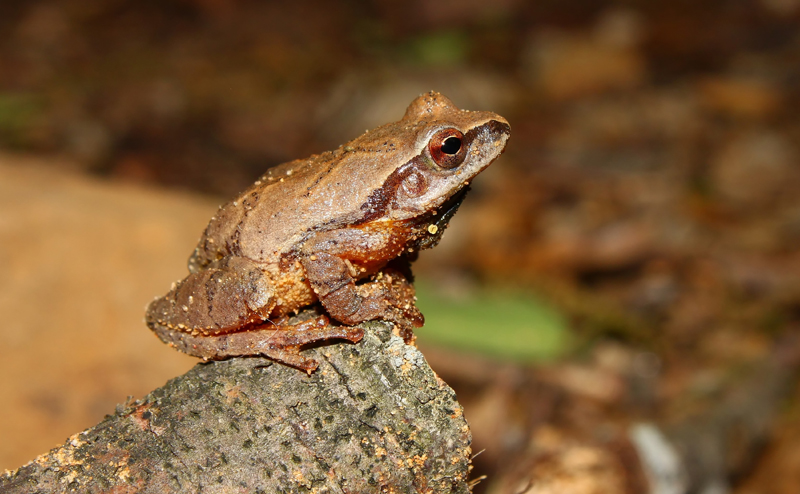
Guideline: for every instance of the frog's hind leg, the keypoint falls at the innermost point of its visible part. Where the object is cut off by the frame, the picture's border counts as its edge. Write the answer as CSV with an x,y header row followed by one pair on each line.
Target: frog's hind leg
x,y
229,294
281,343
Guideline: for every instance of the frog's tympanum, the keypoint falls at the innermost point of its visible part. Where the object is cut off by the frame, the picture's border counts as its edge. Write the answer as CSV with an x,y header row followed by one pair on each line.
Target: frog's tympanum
x,y
336,231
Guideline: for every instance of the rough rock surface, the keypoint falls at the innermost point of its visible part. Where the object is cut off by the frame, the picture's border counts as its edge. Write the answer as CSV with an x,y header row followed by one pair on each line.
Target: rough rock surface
x,y
374,417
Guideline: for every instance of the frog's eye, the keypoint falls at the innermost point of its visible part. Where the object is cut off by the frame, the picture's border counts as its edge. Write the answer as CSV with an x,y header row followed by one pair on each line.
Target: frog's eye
x,y
447,148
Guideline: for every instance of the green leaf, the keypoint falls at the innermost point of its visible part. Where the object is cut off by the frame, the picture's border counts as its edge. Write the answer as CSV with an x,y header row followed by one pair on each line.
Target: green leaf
x,y
498,322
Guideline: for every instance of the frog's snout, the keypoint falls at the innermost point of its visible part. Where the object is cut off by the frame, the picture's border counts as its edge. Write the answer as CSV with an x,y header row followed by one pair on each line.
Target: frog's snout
x,y
499,127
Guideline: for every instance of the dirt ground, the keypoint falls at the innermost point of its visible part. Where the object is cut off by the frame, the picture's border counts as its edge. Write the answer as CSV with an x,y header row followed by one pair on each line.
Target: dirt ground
x,y
84,257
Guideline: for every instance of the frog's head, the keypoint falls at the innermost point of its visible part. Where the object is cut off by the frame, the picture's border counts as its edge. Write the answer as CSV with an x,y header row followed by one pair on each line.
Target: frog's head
x,y
446,148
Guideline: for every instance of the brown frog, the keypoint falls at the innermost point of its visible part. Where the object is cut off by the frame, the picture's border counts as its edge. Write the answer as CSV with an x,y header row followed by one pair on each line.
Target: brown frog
x,y
338,229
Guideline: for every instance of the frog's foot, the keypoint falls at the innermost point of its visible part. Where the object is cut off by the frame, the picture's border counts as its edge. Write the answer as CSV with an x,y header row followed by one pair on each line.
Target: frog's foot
x,y
281,344
389,297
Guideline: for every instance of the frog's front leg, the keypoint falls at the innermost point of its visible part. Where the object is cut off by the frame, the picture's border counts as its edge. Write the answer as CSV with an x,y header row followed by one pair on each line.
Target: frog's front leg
x,y
331,261
222,311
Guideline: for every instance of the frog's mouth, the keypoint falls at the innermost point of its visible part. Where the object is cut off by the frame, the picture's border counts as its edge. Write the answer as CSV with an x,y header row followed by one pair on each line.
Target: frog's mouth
x,y
436,221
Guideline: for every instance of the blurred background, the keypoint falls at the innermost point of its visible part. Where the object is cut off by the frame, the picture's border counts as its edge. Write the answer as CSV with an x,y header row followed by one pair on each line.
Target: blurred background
x,y
617,303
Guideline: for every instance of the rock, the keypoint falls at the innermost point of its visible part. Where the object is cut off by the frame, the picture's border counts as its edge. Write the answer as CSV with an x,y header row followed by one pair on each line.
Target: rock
x,y
373,417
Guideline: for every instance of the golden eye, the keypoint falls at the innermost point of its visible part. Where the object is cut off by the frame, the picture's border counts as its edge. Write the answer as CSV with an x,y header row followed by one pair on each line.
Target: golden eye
x,y
447,148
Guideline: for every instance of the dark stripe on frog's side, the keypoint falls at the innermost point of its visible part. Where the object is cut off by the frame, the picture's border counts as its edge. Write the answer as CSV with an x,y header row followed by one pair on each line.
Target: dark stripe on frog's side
x,y
324,173
378,202
334,163
247,204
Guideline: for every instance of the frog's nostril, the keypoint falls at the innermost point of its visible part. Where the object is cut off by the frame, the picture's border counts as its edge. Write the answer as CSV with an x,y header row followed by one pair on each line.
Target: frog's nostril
x,y
451,145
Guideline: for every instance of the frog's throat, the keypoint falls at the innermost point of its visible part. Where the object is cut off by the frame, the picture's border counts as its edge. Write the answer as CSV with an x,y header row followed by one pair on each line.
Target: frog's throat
x,y
435,222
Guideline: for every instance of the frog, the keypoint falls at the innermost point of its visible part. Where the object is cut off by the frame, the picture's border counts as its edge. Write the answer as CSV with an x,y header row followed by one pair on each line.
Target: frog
x,y
317,246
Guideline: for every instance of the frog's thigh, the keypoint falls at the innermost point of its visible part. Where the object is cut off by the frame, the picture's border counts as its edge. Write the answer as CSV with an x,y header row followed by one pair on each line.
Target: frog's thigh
x,y
230,294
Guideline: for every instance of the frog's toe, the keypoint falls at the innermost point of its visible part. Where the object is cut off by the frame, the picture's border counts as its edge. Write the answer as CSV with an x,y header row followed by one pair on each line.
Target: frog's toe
x,y
292,358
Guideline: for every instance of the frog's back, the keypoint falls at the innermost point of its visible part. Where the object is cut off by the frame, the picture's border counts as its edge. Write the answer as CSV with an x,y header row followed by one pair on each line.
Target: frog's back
x,y
291,201
261,221
285,205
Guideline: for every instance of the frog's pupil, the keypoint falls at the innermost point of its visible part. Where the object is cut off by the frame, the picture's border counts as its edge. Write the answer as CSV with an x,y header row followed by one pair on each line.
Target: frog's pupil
x,y
451,145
